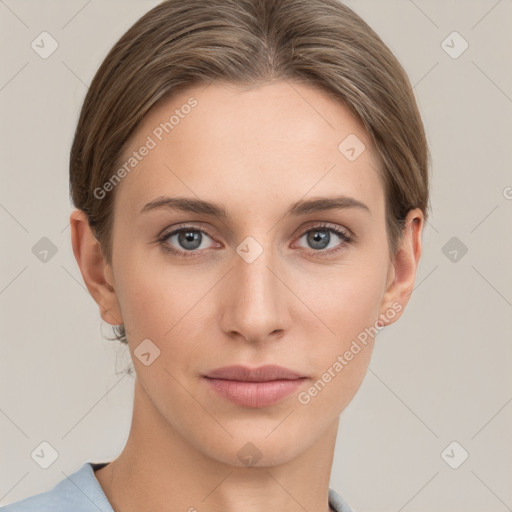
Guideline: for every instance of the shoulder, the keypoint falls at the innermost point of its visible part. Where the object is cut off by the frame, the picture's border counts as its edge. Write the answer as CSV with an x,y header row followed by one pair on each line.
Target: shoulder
x,y
337,503
79,492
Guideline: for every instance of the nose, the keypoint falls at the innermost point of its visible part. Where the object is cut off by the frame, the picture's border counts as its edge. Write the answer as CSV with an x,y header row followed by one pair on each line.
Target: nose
x,y
254,297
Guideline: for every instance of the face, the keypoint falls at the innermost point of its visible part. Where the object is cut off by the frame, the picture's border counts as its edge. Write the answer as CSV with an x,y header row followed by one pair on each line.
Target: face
x,y
293,273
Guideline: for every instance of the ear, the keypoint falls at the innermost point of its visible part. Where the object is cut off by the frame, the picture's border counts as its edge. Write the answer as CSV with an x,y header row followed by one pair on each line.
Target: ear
x,y
96,272
402,269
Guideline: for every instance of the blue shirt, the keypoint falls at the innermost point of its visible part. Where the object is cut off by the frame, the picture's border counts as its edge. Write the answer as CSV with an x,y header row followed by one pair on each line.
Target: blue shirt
x,y
82,492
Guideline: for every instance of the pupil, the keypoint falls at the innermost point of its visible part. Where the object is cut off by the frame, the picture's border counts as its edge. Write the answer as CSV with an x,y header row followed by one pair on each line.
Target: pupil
x,y
188,239
319,239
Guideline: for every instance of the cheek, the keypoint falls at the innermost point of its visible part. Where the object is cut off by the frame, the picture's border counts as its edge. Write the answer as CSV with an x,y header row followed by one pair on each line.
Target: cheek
x,y
346,297
337,300
156,299
145,297
348,305
163,302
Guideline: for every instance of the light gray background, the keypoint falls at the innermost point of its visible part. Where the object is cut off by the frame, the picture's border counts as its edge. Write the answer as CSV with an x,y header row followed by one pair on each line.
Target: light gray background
x,y
441,374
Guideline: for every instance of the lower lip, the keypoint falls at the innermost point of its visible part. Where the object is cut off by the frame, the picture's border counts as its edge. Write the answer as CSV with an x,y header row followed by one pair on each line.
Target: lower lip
x,y
255,394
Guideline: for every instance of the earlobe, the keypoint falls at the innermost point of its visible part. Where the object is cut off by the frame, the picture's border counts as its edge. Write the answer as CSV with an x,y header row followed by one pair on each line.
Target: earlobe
x,y
403,269
95,270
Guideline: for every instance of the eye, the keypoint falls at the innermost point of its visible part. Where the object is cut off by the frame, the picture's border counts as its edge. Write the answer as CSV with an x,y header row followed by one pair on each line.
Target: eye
x,y
185,241
320,238
189,241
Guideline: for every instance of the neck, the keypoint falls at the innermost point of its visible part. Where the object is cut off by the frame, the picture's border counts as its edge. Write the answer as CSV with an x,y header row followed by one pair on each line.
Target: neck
x,y
161,470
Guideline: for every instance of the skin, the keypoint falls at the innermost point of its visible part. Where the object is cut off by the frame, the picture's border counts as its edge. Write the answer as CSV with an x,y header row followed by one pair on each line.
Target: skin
x,y
255,151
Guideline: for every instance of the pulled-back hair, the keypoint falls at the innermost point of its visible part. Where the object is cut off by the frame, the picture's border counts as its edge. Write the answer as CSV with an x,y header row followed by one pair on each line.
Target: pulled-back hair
x,y
180,43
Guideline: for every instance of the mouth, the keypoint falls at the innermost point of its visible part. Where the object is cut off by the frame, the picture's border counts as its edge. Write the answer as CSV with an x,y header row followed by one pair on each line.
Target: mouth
x,y
261,374
254,387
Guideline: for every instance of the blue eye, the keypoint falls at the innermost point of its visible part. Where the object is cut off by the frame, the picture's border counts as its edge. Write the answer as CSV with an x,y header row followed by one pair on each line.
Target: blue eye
x,y
190,241
319,238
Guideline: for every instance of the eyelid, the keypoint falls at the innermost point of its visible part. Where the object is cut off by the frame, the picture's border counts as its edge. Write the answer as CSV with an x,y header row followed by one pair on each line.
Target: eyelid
x,y
166,233
346,235
312,225
183,226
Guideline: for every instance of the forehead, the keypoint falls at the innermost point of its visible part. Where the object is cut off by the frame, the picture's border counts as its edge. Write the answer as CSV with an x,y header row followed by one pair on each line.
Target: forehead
x,y
250,144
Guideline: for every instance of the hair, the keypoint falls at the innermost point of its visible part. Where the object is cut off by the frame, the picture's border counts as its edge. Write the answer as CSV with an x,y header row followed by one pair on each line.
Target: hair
x,y
181,43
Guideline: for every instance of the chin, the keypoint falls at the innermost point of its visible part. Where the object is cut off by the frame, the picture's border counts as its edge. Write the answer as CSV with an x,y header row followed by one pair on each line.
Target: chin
x,y
258,447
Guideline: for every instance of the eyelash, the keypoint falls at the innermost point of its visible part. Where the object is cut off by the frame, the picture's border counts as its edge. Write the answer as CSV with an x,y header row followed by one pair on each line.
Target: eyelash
x,y
346,237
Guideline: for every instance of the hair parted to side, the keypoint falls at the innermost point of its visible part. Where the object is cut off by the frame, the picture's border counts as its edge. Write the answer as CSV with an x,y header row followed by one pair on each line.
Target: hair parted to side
x,y
180,43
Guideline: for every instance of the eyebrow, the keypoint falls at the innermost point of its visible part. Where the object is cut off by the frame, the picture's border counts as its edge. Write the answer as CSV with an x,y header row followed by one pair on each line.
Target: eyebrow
x,y
302,207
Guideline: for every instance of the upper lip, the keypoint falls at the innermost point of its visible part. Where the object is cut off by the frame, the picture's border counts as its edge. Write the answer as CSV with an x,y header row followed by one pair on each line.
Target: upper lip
x,y
260,374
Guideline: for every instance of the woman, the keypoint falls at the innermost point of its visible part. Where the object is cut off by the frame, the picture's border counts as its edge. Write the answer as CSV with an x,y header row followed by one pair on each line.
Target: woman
x,y
251,183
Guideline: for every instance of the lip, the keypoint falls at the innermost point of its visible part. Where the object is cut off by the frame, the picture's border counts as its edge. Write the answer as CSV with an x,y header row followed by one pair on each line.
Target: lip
x,y
254,387
260,374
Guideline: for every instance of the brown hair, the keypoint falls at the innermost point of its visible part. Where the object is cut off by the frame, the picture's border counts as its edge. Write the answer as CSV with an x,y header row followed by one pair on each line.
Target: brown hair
x,y
180,43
